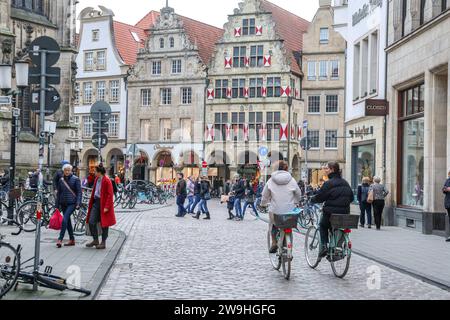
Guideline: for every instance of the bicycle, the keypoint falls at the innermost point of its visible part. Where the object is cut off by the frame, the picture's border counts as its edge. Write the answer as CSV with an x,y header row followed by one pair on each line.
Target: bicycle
x,y
79,221
339,247
26,214
284,224
9,266
13,274
309,214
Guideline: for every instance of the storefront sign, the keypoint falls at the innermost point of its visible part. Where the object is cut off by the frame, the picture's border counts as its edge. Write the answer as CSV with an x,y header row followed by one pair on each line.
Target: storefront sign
x,y
213,172
362,132
366,10
159,147
377,107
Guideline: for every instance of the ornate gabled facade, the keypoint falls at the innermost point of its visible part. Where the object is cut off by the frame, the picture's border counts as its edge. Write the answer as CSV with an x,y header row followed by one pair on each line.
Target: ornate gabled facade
x,y
20,23
107,50
166,96
255,68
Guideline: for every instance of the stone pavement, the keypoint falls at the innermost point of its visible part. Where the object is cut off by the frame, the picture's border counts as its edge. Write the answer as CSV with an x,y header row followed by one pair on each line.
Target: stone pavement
x,y
166,257
425,256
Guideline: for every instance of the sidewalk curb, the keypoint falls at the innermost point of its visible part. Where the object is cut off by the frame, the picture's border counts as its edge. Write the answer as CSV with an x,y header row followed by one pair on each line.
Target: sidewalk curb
x,y
107,264
425,278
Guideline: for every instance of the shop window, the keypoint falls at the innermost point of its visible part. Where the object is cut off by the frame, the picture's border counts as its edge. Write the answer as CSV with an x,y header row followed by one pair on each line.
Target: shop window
x,y
412,134
363,163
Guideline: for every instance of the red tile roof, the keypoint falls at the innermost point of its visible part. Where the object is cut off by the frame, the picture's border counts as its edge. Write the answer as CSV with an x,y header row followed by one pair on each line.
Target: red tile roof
x,y
125,42
290,28
203,35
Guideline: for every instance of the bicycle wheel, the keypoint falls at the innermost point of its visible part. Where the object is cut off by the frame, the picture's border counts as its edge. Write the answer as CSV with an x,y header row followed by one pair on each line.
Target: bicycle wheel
x,y
9,268
286,258
125,201
132,201
117,200
301,220
79,222
26,216
340,257
312,247
275,258
59,284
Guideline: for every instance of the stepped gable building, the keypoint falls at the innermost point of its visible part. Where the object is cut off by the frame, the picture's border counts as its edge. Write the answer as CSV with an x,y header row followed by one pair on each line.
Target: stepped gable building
x,y
418,89
324,92
255,68
107,50
167,94
20,23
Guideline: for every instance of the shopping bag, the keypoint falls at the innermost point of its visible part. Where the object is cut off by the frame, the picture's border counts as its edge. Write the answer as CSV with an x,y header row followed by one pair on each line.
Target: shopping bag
x,y
56,221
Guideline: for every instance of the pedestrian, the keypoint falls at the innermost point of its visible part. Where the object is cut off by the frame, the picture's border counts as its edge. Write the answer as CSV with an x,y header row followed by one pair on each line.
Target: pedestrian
x,y
117,180
259,192
181,195
239,193
68,198
197,198
190,193
379,194
364,206
58,175
230,206
4,181
227,187
250,198
34,180
205,196
101,214
91,180
446,191
302,186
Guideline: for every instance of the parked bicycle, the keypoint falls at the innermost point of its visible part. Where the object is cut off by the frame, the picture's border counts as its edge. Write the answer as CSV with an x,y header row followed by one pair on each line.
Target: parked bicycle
x,y
339,247
309,213
12,273
26,214
284,224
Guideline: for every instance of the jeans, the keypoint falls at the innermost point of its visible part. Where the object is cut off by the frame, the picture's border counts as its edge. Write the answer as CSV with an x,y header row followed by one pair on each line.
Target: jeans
x,y
238,208
378,207
180,203
252,205
204,206
258,201
67,223
197,200
366,208
191,202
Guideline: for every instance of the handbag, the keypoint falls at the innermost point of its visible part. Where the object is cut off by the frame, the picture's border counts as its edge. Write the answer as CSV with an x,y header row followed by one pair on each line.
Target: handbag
x,y
56,221
370,197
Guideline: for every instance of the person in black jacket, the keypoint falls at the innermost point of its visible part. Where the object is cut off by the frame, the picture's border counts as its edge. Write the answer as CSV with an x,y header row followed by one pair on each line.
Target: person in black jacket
x,y
67,200
239,193
4,181
58,175
337,195
205,195
181,195
364,206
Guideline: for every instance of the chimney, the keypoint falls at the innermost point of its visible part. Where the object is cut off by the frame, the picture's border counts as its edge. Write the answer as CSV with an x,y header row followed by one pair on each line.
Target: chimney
x,y
324,3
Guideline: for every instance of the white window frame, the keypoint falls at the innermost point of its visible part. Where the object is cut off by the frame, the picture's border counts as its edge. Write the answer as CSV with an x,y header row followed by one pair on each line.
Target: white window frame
x,y
334,63
113,126
146,97
89,93
318,135
101,66
114,92
326,39
186,96
101,91
89,63
166,96
95,35
308,106
312,70
323,67
76,99
146,127
165,132
330,141
176,66
337,104
87,127
185,129
156,68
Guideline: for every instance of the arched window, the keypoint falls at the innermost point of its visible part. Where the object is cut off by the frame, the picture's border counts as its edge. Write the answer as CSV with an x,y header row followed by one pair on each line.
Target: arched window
x,y
161,43
172,42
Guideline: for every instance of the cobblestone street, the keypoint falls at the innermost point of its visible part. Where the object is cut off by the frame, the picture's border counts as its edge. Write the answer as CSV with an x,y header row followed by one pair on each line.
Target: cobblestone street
x,y
165,257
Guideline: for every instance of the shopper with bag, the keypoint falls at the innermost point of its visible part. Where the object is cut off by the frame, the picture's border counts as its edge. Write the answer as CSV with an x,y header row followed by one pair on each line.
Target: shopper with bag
x,y
68,198
377,194
101,209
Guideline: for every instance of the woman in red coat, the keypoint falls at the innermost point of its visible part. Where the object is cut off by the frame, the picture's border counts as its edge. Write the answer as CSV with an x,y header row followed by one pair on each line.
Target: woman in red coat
x,y
101,208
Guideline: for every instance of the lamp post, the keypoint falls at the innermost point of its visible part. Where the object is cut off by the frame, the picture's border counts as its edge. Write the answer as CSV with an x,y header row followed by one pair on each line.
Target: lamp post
x,y
21,73
50,130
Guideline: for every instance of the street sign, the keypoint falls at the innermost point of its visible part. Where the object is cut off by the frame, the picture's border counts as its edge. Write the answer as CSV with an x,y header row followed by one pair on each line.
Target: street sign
x,y
100,127
103,108
263,151
45,43
5,100
103,139
53,75
204,164
52,100
52,146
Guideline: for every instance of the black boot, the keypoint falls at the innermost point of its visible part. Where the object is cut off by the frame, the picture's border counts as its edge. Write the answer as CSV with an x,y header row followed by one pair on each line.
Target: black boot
x,y
208,217
197,216
231,217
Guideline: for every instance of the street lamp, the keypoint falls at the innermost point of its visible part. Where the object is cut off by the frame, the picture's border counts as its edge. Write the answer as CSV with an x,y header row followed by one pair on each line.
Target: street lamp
x,y
21,69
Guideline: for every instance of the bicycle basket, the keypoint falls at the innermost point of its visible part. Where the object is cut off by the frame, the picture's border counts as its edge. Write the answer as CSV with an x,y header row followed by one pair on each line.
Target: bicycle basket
x,y
286,221
344,221
29,194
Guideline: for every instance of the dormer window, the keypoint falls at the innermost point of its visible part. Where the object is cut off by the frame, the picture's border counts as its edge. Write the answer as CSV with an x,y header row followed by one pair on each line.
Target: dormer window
x,y
161,43
248,27
172,42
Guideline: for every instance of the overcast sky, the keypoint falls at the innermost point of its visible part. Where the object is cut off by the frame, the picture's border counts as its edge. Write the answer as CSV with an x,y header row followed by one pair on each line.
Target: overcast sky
x,y
213,12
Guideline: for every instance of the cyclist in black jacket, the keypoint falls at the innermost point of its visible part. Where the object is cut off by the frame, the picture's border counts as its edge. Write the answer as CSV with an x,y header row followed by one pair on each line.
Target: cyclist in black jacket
x,y
337,195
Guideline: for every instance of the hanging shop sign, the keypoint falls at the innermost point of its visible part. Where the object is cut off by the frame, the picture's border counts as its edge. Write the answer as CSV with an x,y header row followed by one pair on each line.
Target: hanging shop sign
x,y
377,108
